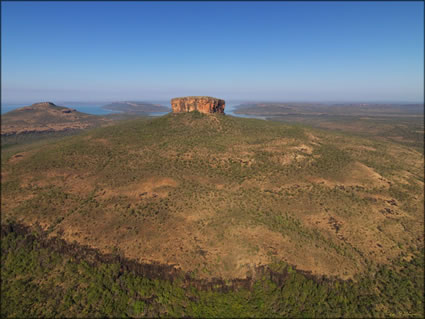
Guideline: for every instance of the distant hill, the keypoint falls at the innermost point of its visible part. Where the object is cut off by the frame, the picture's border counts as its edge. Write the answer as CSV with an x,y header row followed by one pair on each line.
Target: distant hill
x,y
373,109
136,107
400,123
47,117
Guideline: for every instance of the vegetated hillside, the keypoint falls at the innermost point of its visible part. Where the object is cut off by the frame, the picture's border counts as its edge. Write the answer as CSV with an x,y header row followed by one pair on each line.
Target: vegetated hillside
x,y
136,107
47,117
44,277
219,196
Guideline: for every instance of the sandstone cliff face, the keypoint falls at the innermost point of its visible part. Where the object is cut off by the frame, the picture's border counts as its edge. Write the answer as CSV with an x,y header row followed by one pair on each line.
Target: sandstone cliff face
x,y
203,104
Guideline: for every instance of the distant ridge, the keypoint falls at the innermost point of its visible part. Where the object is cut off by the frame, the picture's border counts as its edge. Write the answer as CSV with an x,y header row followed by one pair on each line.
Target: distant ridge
x,y
47,117
133,107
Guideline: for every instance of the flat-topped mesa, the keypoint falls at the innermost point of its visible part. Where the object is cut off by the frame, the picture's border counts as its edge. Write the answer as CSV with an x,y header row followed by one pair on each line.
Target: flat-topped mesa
x,y
203,104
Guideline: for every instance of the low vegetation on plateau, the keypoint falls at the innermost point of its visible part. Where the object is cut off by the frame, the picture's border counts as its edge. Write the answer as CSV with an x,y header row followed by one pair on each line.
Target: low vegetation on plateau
x,y
337,219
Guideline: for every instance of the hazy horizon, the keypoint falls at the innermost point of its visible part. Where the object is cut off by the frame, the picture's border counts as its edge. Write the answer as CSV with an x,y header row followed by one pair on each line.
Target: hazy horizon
x,y
228,101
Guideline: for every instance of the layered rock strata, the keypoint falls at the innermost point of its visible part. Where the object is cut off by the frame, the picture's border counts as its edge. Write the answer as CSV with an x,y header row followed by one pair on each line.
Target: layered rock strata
x,y
203,104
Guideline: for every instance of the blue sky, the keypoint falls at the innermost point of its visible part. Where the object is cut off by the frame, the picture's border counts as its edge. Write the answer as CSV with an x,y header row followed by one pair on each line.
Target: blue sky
x,y
286,51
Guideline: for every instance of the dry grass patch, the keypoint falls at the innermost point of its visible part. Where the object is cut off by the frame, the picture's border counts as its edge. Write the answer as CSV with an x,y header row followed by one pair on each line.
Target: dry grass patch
x,y
17,157
150,187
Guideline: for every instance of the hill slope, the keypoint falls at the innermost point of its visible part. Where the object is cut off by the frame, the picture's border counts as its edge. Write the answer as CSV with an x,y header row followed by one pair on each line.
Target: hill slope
x,y
47,117
218,196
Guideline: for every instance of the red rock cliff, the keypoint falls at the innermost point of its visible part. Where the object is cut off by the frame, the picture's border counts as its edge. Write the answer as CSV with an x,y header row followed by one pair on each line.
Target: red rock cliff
x,y
203,104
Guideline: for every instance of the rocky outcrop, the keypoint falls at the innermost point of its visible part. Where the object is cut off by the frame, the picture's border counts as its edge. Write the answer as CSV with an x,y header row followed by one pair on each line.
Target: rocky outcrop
x,y
203,104
67,110
45,104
